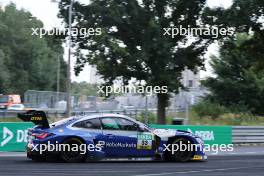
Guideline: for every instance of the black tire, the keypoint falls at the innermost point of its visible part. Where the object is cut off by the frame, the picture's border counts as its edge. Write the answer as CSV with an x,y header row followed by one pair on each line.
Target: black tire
x,y
38,158
179,156
73,156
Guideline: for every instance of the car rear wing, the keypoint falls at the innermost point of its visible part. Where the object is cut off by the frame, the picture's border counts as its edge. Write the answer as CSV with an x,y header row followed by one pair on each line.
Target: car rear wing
x,y
37,117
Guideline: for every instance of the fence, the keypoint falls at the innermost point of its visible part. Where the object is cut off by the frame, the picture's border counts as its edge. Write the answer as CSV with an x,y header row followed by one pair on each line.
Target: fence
x,y
57,100
134,113
247,134
48,99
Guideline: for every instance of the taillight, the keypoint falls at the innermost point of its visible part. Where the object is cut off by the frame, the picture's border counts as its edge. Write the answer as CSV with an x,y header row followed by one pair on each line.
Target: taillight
x,y
41,135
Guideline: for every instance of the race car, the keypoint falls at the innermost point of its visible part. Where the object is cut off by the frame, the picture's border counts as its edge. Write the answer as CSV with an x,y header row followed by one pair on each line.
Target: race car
x,y
103,136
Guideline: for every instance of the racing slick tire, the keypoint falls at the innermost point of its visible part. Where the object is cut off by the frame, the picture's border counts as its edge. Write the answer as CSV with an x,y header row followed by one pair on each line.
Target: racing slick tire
x,y
38,158
73,156
179,156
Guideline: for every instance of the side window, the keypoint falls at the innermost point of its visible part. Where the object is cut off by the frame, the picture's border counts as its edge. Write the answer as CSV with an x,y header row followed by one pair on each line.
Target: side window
x,y
109,123
126,125
89,124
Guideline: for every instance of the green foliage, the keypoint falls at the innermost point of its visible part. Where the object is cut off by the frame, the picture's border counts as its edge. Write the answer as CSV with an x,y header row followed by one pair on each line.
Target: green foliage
x,y
84,88
147,117
27,61
207,108
239,70
4,75
227,119
238,82
133,43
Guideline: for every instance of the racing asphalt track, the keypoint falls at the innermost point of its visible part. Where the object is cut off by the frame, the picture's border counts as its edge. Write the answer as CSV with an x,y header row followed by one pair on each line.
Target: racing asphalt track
x,y
243,161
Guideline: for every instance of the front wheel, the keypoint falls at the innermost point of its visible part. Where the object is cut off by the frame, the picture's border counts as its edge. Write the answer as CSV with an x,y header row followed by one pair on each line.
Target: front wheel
x,y
38,158
72,153
180,155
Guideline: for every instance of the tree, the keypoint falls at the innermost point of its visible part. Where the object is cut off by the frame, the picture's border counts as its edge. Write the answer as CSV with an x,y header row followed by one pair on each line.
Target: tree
x,y
132,43
4,73
237,82
239,68
246,17
84,88
27,61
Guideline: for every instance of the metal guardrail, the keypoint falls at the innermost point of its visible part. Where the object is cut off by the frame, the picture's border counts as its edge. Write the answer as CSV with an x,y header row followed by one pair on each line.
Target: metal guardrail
x,y
247,134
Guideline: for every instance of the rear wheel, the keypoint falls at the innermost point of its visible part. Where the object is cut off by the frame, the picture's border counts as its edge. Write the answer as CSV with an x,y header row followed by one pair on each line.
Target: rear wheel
x,y
180,155
70,154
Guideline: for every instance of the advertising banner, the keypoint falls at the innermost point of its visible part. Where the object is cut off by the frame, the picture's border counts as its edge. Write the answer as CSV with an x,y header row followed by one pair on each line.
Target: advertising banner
x,y
13,136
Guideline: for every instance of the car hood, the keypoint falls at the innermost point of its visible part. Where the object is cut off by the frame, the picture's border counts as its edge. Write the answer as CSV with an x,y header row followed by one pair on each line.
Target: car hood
x,y
165,133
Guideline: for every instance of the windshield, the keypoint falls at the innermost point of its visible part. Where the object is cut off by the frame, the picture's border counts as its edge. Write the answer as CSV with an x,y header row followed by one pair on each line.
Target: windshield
x,y
3,99
16,106
145,125
63,121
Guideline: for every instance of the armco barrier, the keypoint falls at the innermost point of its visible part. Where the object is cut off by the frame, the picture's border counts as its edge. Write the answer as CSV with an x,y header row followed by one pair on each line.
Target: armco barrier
x,y
210,134
247,134
13,136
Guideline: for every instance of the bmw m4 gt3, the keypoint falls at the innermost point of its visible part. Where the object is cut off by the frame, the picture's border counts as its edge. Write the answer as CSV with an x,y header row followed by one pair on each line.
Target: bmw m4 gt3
x,y
99,136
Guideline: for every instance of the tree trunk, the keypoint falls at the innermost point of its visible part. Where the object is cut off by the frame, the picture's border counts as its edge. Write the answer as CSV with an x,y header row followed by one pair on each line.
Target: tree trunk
x,y
162,104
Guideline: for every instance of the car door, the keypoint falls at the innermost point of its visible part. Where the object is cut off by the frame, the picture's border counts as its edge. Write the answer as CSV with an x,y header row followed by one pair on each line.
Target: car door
x,y
90,129
122,138
115,140
143,139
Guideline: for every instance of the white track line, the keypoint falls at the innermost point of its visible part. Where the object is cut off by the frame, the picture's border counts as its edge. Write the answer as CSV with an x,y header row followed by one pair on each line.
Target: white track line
x,y
196,171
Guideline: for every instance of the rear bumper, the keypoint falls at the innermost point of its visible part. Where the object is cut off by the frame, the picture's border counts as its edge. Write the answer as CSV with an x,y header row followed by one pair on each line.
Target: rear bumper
x,y
33,154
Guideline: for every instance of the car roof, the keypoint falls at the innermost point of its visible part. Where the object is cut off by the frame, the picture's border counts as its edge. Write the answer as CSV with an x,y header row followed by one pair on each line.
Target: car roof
x,y
98,115
90,116
17,104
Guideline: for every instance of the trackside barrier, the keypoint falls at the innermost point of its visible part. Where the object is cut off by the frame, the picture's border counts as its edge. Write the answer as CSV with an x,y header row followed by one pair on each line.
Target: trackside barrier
x,y
13,136
248,134
210,134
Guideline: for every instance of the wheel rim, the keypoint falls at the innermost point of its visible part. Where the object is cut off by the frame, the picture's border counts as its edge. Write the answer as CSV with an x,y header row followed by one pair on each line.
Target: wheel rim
x,y
72,156
182,155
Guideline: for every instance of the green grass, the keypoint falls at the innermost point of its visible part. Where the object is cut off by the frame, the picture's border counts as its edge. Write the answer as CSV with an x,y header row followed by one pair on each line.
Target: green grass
x,y
10,119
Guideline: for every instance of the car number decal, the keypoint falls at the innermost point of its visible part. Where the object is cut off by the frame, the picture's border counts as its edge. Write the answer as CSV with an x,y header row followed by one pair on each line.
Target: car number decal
x,y
144,141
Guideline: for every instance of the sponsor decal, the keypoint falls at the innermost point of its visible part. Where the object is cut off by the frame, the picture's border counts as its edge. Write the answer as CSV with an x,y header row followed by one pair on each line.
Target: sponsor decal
x,y
144,141
9,136
36,118
120,144
197,157
205,135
